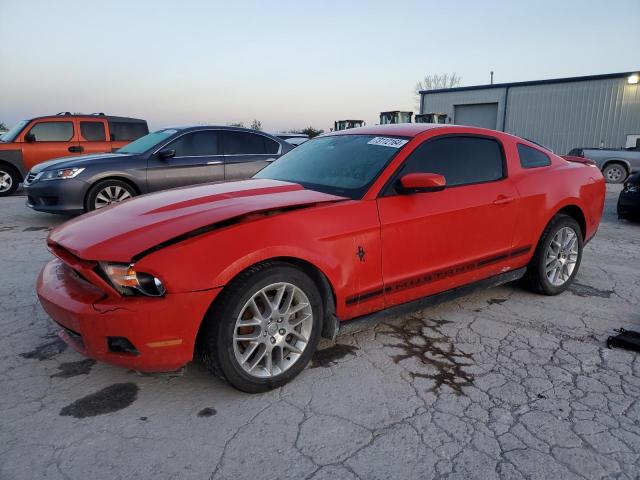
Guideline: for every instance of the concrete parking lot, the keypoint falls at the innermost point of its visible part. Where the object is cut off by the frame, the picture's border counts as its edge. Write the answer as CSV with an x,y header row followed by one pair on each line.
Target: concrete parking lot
x,y
500,384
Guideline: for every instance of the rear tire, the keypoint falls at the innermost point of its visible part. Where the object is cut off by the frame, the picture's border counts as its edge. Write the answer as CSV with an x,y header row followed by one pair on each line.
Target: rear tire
x,y
615,173
264,360
557,258
108,192
9,180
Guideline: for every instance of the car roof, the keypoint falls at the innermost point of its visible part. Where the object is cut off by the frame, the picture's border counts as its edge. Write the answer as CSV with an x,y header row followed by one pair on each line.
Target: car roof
x,y
399,129
88,115
185,128
196,127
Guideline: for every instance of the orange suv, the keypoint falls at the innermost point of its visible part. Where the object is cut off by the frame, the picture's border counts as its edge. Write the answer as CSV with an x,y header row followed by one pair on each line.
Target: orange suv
x,y
40,139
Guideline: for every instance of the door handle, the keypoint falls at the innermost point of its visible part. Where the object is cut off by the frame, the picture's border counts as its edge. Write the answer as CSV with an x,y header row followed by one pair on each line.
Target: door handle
x,y
73,149
214,162
269,160
502,200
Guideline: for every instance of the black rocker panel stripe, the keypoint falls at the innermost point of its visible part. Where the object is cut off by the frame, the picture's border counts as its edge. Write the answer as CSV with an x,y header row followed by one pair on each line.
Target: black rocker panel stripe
x,y
418,280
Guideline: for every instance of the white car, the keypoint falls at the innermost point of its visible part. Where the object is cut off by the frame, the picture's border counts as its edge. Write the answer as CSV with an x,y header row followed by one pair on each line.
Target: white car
x,y
294,139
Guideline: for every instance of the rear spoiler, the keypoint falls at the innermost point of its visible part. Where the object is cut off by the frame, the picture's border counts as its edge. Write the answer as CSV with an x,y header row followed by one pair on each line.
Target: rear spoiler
x,y
583,160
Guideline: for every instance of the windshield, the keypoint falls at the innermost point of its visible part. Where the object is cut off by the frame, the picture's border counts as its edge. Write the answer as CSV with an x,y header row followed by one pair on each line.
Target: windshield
x,y
147,142
11,135
343,165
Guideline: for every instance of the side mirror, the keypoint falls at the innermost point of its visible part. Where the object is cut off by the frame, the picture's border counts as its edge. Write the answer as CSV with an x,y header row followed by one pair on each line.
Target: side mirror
x,y
29,138
166,154
421,182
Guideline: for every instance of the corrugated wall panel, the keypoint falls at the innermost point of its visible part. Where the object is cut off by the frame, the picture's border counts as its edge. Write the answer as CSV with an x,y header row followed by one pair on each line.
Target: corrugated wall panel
x,y
559,115
577,114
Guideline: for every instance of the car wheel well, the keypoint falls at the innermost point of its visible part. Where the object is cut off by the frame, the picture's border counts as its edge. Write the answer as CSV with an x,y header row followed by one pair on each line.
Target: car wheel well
x,y
330,322
575,212
619,162
616,162
120,179
8,165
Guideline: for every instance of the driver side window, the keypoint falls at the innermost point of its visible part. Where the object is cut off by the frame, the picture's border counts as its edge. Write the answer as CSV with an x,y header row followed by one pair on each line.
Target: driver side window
x,y
461,160
52,131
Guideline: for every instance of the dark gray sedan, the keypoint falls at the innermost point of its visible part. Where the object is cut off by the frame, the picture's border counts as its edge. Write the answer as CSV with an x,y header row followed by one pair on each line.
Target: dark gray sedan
x,y
167,158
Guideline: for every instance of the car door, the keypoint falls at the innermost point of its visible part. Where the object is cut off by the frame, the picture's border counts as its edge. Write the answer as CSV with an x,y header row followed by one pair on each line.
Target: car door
x,y
192,158
93,136
246,153
435,241
48,139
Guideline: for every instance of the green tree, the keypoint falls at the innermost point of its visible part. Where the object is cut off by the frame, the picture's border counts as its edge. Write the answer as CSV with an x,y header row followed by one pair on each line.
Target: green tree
x,y
3,126
256,124
236,124
312,132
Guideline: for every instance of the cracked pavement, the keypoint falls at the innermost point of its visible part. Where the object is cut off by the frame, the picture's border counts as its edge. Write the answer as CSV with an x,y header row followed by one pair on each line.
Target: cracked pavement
x,y
500,384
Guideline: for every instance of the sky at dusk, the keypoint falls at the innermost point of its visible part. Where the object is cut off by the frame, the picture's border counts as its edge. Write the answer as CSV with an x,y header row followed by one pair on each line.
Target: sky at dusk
x,y
289,64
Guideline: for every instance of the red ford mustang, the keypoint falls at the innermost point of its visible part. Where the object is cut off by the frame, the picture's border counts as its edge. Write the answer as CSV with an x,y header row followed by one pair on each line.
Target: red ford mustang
x,y
349,225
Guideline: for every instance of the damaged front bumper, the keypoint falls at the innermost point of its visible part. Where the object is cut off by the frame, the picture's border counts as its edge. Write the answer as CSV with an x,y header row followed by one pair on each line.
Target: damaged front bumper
x,y
142,333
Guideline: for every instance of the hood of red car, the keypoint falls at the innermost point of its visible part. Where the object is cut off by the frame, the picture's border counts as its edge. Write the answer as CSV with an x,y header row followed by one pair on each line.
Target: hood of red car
x,y
120,232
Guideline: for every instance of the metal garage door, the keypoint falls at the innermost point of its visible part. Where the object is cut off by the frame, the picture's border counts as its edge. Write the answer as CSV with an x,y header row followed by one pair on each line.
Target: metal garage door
x,y
478,115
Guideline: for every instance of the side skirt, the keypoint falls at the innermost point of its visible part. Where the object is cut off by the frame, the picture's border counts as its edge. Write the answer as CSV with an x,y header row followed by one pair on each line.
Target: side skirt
x,y
367,321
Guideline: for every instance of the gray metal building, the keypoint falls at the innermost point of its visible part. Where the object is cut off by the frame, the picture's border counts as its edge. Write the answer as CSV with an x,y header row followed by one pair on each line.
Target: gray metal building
x,y
593,111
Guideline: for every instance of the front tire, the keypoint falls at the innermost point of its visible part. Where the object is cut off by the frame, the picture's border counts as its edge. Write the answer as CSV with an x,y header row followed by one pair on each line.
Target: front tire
x,y
615,173
263,329
557,258
108,192
9,180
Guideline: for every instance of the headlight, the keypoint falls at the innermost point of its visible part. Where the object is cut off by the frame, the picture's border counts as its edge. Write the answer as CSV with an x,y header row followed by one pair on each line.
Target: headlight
x,y
62,173
631,188
127,281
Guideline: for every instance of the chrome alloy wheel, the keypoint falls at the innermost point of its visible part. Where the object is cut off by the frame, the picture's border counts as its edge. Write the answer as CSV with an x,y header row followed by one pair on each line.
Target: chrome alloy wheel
x,y
109,195
6,182
561,256
272,330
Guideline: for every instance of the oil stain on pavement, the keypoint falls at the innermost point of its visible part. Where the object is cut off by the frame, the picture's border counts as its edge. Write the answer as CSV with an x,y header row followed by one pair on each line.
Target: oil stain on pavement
x,y
499,301
423,340
47,350
207,412
73,369
35,229
108,400
327,357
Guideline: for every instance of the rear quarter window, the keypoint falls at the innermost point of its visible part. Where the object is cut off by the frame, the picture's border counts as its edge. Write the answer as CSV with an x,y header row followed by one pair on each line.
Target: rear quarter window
x,y
532,157
271,146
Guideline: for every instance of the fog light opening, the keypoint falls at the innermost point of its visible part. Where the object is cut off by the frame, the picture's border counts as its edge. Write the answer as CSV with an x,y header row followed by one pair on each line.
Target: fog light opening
x,y
121,345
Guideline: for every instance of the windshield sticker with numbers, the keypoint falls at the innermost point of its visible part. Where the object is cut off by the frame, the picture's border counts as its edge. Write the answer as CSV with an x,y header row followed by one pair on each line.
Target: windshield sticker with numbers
x,y
387,142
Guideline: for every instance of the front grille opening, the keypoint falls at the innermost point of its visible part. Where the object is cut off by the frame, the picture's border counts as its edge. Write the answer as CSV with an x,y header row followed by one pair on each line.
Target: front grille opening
x,y
49,201
121,345
42,201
